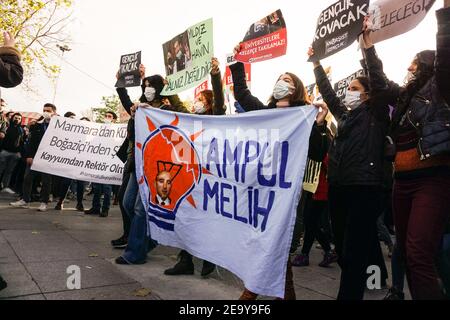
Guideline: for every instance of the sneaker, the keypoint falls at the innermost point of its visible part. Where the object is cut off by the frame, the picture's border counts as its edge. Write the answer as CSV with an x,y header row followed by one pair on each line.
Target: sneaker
x,y
120,243
59,206
328,258
121,260
50,198
79,207
104,213
394,294
42,207
92,211
8,190
20,204
301,260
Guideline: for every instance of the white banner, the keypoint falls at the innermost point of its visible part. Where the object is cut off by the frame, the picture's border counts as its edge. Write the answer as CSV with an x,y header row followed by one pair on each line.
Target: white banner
x,y
226,188
391,18
81,150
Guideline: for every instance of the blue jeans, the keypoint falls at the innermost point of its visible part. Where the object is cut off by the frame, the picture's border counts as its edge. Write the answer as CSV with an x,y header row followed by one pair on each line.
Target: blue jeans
x,y
139,243
100,189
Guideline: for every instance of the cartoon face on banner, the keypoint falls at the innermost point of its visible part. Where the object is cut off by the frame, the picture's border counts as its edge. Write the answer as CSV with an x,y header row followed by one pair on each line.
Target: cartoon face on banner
x,y
171,166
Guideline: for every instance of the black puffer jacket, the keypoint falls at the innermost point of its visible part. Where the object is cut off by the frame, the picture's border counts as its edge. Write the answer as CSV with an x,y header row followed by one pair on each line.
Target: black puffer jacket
x,y
425,107
356,155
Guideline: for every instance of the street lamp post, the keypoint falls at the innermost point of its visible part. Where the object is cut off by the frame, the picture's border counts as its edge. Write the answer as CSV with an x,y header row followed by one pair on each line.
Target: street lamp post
x,y
63,49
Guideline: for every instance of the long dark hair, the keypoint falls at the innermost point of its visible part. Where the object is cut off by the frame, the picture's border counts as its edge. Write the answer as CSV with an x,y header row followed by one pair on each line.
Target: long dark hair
x,y
156,81
299,97
425,71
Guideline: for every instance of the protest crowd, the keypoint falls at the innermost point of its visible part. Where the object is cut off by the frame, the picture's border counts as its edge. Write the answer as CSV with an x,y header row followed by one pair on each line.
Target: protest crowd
x,y
378,174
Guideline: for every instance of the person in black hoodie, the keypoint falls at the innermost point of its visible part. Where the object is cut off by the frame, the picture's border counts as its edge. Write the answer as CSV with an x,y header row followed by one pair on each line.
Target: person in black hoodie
x,y
138,244
11,75
10,155
289,91
355,177
420,131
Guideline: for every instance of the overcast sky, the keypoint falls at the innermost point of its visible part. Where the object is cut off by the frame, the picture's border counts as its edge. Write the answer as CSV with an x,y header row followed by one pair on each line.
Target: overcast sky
x,y
103,30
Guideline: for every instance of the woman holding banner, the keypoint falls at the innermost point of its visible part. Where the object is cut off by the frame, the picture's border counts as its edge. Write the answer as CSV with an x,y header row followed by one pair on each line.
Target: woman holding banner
x,y
208,103
355,177
288,91
420,130
138,244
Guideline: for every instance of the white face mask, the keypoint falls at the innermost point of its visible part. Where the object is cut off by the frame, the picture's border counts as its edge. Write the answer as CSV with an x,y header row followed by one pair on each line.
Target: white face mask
x,y
409,77
199,107
107,121
179,54
149,93
352,99
281,90
47,115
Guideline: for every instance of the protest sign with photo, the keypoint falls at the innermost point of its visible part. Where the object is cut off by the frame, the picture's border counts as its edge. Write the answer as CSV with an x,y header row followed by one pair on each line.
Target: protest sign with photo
x,y
265,39
129,75
81,150
341,86
187,57
391,18
225,188
338,27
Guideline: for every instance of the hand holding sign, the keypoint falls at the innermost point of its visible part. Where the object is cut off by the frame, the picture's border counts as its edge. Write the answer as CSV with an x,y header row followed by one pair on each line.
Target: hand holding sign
x,y
310,54
215,66
142,71
367,40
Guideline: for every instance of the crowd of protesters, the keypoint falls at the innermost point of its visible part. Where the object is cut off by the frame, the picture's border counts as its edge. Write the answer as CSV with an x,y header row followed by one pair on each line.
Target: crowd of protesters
x,y
380,174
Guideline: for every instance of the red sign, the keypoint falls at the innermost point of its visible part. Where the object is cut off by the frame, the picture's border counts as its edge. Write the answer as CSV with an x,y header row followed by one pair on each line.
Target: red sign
x,y
228,79
202,87
266,39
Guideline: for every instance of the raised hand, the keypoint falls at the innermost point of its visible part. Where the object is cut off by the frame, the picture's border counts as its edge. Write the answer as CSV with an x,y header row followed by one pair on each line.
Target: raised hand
x,y
237,49
367,24
215,66
142,71
310,54
8,39
323,111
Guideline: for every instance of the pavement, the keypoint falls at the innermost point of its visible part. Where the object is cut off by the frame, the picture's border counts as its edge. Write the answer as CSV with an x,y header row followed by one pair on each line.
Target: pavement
x,y
36,249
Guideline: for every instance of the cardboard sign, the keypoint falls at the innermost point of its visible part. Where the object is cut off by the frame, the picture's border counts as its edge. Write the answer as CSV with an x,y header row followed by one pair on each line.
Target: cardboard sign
x,y
187,57
129,75
338,27
265,39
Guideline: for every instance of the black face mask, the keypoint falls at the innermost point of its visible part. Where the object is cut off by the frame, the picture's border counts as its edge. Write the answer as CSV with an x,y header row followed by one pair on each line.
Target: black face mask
x,y
16,122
